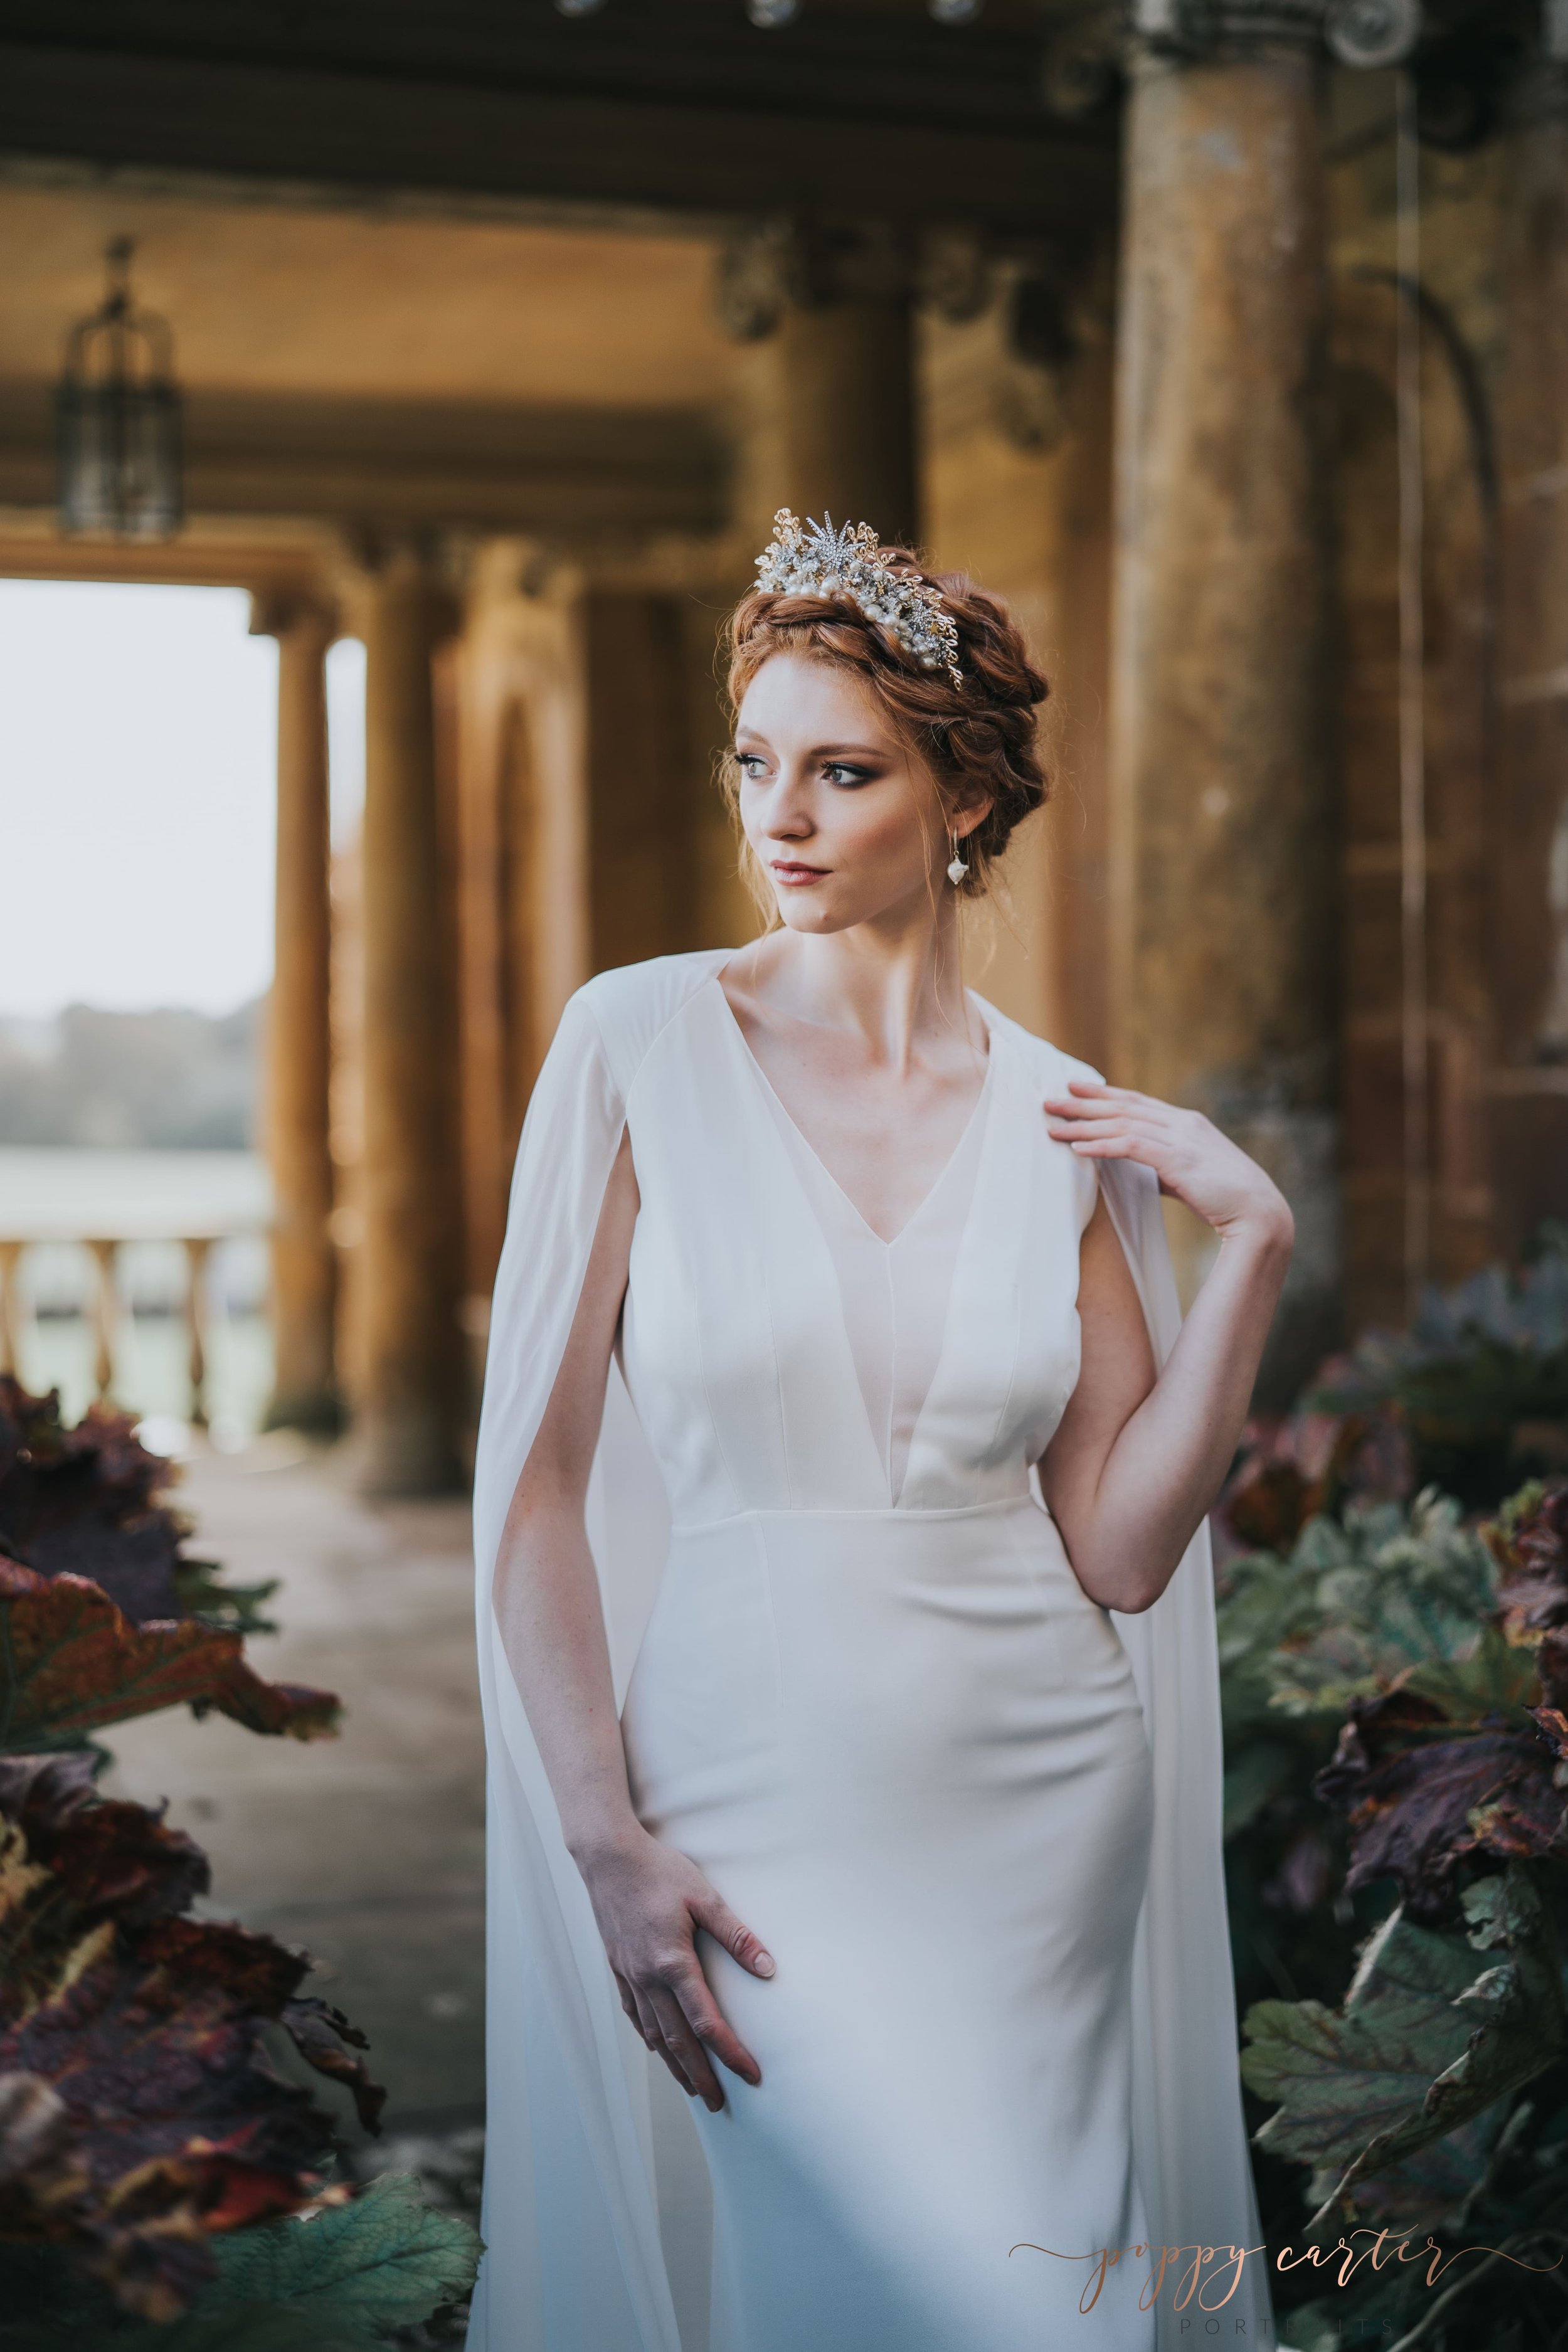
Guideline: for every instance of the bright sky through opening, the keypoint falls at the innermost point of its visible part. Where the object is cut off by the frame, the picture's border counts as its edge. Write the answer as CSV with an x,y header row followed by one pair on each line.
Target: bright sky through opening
x,y
137,785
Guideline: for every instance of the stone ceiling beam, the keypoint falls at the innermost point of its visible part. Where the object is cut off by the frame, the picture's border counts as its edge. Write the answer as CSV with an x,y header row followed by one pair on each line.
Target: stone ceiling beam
x,y
573,474
270,118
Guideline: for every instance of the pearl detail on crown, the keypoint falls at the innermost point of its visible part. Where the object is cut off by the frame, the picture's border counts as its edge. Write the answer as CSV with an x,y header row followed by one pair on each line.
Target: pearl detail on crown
x,y
812,559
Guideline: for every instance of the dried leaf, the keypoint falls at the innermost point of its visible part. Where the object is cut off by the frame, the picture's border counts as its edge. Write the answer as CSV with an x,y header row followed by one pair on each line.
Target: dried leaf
x,y
319,2032
1293,1469
1420,1803
1415,1817
75,1663
1531,1550
149,2030
90,1501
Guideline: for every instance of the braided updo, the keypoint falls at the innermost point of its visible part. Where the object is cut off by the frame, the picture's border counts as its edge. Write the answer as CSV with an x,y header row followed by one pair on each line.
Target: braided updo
x,y
977,741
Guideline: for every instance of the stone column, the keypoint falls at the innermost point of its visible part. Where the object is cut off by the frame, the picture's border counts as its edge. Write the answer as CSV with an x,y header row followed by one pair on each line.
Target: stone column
x,y
1222,849
106,1314
198,1255
848,426
834,427
298,1044
1530,833
11,1308
410,1408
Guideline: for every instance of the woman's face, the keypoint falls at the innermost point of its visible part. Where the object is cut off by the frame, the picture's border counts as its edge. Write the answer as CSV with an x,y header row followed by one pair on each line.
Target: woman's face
x,y
846,823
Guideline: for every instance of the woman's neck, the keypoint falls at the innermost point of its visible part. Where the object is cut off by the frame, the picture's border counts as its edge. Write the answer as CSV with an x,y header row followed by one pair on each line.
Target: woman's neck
x,y
899,986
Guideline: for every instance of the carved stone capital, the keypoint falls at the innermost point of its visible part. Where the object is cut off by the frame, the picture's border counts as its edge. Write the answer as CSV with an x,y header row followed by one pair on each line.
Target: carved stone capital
x,y
1094,44
1362,32
789,263
277,612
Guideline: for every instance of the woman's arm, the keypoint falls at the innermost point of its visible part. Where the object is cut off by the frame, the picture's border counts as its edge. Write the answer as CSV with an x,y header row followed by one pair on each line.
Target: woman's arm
x,y
648,1899
1136,1461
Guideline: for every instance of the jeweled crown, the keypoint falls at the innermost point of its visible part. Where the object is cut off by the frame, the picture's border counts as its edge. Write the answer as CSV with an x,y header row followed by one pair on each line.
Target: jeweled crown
x,y
812,559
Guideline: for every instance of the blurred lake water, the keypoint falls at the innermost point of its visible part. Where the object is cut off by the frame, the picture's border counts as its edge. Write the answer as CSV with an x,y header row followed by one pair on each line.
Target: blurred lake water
x,y
151,1203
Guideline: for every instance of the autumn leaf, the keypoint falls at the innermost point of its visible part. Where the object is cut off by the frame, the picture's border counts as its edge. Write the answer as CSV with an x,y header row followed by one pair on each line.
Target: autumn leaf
x,y
1293,1469
1419,1803
320,2033
1530,1544
70,1662
90,1500
144,2116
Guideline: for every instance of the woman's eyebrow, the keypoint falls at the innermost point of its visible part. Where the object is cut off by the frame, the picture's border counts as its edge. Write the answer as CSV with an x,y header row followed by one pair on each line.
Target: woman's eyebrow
x,y
822,750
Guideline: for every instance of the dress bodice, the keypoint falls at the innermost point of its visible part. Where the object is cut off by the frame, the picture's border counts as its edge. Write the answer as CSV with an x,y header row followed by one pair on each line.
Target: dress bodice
x,y
778,1358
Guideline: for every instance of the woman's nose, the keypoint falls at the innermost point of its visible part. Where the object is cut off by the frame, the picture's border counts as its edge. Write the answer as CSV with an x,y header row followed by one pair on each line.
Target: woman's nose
x,y
787,817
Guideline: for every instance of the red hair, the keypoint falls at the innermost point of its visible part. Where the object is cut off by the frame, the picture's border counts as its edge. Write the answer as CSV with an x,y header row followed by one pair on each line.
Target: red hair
x,y
977,741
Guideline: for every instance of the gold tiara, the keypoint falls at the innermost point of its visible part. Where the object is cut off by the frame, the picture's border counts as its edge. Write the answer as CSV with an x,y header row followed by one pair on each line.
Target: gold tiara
x,y
812,559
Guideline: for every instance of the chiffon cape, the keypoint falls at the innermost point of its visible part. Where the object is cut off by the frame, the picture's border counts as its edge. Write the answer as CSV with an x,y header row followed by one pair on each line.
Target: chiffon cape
x,y
597,2214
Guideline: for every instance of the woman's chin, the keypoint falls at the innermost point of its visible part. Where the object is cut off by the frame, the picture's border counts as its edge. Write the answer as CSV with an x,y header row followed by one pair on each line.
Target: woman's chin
x,y
811,910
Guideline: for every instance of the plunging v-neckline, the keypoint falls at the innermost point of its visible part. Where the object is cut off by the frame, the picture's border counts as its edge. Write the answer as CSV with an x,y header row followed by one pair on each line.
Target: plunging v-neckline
x,y
885,1242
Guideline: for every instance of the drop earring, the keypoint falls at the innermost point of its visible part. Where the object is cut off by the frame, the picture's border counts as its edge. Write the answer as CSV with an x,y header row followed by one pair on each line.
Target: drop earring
x,y
957,869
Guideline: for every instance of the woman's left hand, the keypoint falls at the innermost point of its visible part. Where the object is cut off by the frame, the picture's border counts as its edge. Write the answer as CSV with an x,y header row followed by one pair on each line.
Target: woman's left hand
x,y
1193,1159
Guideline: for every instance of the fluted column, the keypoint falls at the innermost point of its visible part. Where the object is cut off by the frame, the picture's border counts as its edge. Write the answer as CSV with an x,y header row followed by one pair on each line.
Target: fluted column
x,y
410,1410
1222,802
299,1049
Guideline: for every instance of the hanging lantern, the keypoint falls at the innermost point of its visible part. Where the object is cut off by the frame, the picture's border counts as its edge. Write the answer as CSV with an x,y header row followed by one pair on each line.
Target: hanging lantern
x,y
117,419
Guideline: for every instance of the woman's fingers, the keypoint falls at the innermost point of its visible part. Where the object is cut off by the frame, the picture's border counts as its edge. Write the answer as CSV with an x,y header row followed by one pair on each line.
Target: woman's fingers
x,y
1082,1090
682,2048
651,2027
710,1911
628,1999
709,2022
1122,1123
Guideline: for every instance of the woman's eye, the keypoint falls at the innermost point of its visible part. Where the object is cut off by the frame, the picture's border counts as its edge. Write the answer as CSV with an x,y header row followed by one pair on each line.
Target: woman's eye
x,y
838,771
749,763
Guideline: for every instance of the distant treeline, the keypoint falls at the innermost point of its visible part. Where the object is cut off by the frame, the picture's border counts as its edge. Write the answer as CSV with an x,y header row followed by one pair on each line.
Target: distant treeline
x,y
177,1080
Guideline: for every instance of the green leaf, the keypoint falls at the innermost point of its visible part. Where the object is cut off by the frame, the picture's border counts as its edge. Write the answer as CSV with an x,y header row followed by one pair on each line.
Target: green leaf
x,y
1344,2077
386,2260
1501,1911
1390,1592
1493,1677
1424,2042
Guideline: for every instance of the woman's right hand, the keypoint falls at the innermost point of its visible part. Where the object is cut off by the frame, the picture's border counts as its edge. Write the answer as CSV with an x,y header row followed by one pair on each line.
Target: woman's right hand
x,y
649,1902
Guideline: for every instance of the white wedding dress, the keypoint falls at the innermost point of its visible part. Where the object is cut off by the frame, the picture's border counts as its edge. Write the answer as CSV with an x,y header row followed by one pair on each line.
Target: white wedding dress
x,y
973,1815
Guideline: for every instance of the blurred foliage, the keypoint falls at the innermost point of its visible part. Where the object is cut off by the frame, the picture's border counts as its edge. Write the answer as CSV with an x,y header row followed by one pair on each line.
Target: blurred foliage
x,y
1394,1676
102,1615
341,2278
149,2148
170,1079
91,1500
1479,1383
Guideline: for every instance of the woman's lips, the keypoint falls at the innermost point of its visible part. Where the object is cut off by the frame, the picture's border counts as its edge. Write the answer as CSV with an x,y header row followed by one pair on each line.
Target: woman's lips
x,y
793,875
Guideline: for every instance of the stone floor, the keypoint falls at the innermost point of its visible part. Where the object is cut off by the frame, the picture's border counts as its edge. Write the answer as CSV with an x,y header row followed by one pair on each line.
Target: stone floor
x,y
368,1849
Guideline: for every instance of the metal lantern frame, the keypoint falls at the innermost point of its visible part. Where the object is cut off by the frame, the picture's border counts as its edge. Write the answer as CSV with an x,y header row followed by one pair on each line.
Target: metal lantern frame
x,y
119,440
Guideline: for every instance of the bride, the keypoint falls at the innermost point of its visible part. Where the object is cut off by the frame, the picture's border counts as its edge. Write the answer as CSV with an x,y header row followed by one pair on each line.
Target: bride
x,y
858,1972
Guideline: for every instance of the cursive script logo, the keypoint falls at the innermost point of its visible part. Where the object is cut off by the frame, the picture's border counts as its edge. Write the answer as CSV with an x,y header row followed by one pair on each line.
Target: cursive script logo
x,y
1186,2264
1206,2277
